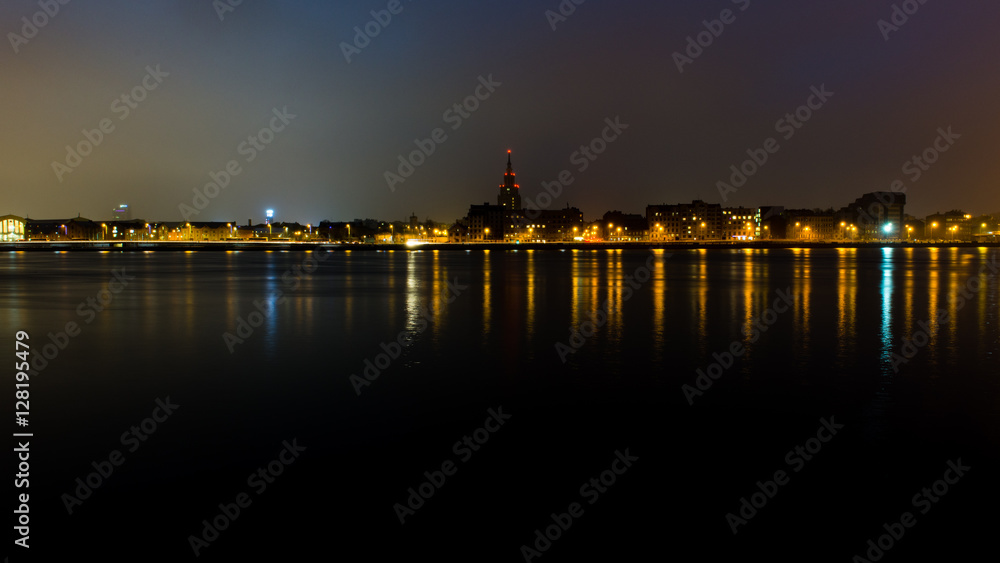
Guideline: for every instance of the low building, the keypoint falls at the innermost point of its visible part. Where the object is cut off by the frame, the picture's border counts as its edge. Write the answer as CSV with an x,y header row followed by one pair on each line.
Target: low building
x,y
953,225
686,221
554,225
197,231
624,227
77,228
810,225
11,228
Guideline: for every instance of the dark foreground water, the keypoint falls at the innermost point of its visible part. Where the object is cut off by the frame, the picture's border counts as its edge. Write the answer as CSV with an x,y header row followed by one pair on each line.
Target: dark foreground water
x,y
804,342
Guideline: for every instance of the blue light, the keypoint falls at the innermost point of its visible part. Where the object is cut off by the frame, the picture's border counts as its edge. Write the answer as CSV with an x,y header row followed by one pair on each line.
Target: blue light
x,y
887,228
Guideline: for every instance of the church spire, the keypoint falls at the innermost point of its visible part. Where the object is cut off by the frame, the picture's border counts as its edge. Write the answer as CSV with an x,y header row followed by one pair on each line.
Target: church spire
x,y
510,169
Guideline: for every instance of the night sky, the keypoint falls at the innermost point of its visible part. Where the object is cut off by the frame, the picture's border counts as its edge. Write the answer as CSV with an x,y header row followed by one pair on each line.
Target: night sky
x,y
556,88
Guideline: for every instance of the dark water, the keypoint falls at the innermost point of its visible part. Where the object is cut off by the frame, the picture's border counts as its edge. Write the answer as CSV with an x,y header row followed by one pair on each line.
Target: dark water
x,y
481,331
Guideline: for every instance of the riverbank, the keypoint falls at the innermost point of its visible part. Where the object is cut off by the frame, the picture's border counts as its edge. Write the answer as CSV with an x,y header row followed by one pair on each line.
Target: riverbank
x,y
284,246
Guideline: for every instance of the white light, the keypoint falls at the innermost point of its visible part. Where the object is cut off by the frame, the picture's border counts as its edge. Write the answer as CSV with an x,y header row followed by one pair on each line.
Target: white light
x,y
887,228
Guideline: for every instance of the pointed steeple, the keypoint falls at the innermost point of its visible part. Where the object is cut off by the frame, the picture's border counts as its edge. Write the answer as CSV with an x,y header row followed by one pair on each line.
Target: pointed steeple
x,y
509,196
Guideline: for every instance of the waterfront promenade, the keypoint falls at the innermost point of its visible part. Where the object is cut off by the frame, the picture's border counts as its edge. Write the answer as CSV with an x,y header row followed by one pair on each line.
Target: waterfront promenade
x,y
286,246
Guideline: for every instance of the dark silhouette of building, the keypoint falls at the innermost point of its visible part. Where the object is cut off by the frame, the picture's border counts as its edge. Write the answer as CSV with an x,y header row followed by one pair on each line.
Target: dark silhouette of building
x,y
510,192
487,222
77,228
557,224
619,226
873,216
953,225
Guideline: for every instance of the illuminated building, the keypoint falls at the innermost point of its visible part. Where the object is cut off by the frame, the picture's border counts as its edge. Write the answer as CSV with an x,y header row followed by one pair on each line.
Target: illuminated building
x,y
11,228
686,221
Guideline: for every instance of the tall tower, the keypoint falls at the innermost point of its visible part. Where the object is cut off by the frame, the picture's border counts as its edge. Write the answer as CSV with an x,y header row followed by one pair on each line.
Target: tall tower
x,y
510,193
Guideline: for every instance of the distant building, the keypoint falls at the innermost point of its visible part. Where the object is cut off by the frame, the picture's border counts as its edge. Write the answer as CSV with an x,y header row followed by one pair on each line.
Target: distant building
x,y
77,228
873,216
127,230
199,231
953,225
739,223
11,228
809,224
510,193
488,223
770,222
121,213
618,226
694,221
558,225
458,232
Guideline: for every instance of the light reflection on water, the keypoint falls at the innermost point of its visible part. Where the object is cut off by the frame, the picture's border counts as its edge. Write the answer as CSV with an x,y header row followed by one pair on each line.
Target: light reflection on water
x,y
852,310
